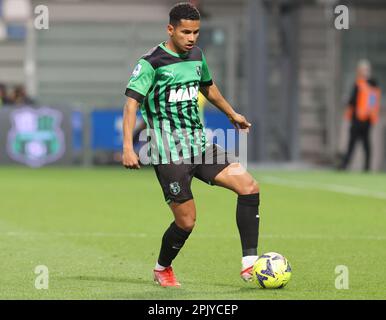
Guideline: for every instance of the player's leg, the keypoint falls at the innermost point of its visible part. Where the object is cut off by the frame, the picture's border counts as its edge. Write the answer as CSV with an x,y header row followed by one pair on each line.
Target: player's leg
x,y
175,181
178,232
236,178
184,214
216,171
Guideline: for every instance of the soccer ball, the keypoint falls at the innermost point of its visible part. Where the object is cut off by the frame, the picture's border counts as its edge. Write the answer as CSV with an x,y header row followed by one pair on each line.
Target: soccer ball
x,y
271,270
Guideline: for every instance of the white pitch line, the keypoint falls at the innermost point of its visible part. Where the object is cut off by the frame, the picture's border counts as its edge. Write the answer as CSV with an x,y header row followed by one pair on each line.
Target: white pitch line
x,y
325,187
203,236
74,234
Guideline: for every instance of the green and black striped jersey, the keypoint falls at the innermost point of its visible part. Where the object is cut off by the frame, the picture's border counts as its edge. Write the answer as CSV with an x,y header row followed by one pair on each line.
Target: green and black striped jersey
x,y
167,86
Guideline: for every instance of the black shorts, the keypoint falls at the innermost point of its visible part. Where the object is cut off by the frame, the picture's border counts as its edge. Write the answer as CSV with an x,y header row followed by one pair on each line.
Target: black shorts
x,y
175,179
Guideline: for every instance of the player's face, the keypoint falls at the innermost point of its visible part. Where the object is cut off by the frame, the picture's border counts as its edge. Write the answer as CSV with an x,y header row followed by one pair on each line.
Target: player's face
x,y
185,34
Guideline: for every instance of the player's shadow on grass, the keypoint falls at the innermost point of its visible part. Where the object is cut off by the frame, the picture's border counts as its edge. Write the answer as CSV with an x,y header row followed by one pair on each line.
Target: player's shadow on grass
x,y
159,293
147,281
109,279
187,291
219,284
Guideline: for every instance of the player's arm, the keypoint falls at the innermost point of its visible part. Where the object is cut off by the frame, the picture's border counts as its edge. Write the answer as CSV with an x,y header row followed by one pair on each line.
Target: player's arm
x,y
213,94
129,158
139,84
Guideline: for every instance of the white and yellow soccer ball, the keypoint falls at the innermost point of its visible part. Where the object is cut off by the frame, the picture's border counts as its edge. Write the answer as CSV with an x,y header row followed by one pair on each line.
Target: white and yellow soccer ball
x,y
271,271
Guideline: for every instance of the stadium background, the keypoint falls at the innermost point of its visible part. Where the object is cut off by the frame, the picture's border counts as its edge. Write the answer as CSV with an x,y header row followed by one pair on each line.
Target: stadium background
x,y
290,72
281,63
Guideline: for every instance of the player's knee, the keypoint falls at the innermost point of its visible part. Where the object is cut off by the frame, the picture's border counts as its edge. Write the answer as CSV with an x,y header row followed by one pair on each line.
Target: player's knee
x,y
185,214
250,187
187,224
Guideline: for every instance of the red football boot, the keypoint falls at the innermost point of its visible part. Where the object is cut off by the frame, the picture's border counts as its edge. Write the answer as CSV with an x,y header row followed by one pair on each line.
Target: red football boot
x,y
166,278
246,274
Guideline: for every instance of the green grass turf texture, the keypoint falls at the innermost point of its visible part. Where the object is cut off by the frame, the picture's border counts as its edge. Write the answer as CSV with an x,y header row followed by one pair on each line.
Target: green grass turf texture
x,y
99,230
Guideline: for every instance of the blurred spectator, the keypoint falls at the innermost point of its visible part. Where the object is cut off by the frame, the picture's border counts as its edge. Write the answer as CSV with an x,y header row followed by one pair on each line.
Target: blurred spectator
x,y
19,96
362,112
3,95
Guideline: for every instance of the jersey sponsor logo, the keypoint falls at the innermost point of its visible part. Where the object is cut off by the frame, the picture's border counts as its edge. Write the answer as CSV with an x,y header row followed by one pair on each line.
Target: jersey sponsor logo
x,y
183,94
137,70
175,188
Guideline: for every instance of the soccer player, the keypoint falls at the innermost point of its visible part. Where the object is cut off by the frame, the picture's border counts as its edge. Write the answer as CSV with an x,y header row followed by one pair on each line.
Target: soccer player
x,y
165,85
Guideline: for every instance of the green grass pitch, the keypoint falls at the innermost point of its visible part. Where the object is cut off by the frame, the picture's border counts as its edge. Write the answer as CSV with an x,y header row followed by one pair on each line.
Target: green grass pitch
x,y
98,231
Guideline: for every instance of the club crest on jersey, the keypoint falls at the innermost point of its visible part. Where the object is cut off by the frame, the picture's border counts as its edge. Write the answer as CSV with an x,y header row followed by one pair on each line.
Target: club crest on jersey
x,y
198,69
175,188
137,70
183,94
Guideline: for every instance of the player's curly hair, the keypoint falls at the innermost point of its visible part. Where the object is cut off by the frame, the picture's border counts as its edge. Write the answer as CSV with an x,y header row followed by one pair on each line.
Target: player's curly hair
x,y
183,10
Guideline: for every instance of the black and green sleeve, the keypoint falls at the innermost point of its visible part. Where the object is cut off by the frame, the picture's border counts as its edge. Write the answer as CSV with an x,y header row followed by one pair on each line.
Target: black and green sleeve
x,y
206,77
140,81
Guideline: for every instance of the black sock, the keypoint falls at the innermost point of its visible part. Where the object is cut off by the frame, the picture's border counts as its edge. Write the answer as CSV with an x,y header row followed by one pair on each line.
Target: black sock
x,y
172,242
247,217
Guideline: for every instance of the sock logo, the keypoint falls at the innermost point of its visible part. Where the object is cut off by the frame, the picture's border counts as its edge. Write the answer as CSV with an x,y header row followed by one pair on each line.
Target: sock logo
x,y
174,188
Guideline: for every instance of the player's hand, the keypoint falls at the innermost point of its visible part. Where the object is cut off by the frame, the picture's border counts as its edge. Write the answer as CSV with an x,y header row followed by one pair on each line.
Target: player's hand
x,y
239,121
130,159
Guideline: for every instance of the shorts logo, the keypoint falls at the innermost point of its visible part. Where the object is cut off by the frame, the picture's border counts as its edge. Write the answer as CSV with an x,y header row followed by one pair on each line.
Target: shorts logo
x,y
174,188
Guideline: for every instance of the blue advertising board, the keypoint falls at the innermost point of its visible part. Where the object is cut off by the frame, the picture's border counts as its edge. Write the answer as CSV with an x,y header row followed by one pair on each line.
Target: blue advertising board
x,y
106,128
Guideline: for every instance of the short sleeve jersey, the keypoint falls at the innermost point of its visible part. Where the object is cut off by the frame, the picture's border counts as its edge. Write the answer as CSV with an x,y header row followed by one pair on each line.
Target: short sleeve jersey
x,y
167,86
